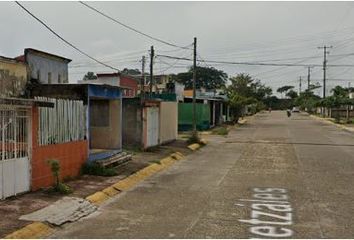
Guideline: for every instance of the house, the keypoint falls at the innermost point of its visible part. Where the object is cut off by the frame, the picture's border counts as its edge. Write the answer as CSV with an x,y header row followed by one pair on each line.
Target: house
x,y
13,77
102,117
159,83
127,83
19,149
211,110
46,68
149,122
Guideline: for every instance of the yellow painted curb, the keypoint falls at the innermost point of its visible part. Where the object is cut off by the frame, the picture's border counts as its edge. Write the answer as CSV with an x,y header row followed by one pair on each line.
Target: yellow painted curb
x,y
127,183
31,231
204,141
150,170
110,191
194,146
97,198
177,156
168,161
132,180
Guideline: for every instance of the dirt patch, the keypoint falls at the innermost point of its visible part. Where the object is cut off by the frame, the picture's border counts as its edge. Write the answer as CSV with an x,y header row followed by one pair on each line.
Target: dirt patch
x,y
12,208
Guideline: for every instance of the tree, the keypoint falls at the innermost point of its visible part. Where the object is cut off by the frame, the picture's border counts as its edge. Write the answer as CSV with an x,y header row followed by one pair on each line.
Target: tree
x,y
207,77
339,98
89,76
307,100
284,89
291,94
243,91
131,71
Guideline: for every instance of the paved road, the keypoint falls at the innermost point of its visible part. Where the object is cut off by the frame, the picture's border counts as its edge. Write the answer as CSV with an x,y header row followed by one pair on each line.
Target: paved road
x,y
274,177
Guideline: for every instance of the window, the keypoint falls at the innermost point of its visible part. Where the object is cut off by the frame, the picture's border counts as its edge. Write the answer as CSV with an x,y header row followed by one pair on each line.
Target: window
x,y
49,78
59,78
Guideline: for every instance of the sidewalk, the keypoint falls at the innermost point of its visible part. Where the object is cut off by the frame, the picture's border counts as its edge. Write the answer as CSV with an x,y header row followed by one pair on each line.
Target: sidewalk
x,y
347,127
83,186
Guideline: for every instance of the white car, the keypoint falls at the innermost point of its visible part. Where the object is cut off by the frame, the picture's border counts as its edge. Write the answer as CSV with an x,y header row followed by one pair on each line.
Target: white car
x,y
295,109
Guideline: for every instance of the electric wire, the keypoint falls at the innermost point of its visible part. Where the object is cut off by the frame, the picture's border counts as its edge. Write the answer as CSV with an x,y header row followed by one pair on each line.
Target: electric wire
x,y
64,40
131,28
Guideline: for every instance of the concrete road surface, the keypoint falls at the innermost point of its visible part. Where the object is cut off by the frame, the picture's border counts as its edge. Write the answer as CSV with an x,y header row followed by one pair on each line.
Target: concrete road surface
x,y
275,177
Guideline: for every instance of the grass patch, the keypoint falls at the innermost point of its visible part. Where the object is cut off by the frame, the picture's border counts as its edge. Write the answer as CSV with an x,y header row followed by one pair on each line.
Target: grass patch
x,y
61,188
220,131
97,170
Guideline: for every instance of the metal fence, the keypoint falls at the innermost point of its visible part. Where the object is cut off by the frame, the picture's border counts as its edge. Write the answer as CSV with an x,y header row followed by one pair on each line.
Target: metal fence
x,y
13,132
65,122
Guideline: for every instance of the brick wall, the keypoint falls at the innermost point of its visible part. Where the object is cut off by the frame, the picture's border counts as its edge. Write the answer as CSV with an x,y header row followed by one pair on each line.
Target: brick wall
x,y
71,156
130,83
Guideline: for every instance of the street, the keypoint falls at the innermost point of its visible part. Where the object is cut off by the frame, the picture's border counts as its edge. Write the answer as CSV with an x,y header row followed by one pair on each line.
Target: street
x,y
274,177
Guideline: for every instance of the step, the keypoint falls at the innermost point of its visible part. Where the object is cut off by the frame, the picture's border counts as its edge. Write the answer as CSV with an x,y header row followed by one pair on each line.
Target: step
x,y
116,159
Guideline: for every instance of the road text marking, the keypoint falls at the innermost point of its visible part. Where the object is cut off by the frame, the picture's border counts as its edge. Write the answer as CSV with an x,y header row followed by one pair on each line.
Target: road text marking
x,y
271,213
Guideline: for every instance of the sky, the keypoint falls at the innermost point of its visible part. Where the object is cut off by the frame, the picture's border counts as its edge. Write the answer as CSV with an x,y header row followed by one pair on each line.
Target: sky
x,y
272,32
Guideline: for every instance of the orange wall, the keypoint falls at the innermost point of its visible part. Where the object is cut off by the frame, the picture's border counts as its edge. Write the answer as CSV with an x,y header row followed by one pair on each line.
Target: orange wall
x,y
71,156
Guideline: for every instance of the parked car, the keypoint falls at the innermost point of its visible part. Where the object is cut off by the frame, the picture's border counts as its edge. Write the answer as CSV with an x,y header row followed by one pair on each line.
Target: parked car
x,y
296,109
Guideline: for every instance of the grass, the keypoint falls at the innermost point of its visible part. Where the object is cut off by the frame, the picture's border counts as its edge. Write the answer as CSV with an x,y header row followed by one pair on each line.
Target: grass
x,y
97,170
61,189
220,131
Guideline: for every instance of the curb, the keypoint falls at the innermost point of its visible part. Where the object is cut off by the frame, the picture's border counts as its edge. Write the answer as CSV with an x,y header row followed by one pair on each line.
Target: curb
x,y
132,180
196,146
242,121
335,124
41,230
33,230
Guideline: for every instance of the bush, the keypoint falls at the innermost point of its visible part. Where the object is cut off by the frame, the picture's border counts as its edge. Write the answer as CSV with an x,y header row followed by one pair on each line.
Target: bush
x,y
194,138
58,185
95,169
221,131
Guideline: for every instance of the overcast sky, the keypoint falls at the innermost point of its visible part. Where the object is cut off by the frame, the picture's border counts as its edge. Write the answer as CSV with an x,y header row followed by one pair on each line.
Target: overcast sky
x,y
281,32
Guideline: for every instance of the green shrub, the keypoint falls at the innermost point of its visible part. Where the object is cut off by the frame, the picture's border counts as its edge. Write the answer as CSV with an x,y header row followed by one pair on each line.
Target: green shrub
x,y
221,131
58,185
194,138
64,189
95,169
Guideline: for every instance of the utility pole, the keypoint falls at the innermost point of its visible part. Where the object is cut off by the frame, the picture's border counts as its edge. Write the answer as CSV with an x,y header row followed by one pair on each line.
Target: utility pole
x,y
308,77
195,133
151,68
325,52
300,85
142,92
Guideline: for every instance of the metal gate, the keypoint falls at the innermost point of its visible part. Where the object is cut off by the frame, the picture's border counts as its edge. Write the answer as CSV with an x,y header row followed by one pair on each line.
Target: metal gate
x,y
14,150
152,126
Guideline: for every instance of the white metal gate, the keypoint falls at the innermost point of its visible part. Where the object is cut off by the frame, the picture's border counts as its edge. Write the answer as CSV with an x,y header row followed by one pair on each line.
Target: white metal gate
x,y
152,126
14,150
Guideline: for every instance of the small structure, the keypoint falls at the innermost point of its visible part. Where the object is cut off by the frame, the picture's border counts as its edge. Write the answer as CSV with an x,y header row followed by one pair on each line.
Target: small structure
x,y
150,122
45,67
140,123
13,77
217,113
127,83
103,118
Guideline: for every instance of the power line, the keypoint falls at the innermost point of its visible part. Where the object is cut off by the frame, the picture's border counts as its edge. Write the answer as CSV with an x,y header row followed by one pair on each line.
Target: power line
x,y
133,29
256,63
61,38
